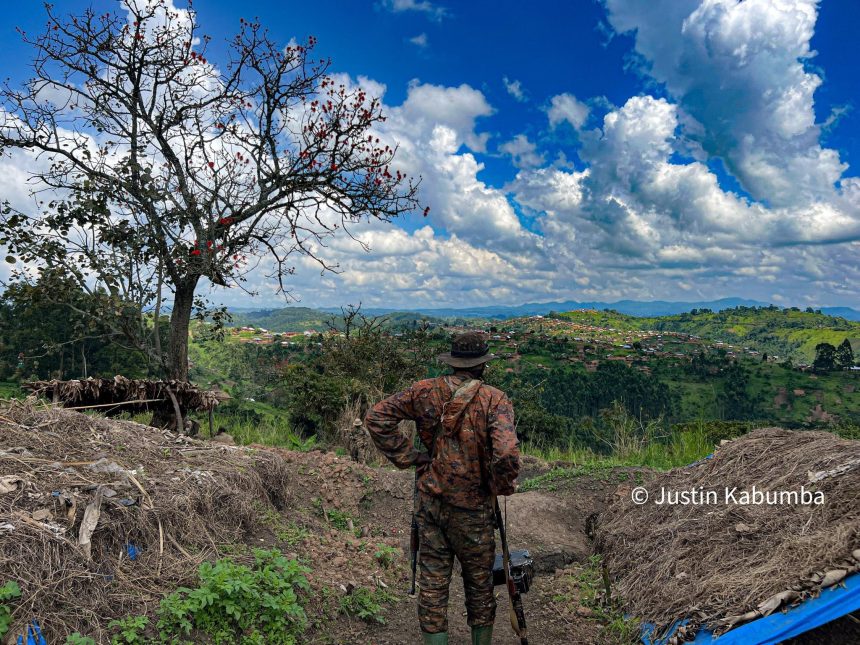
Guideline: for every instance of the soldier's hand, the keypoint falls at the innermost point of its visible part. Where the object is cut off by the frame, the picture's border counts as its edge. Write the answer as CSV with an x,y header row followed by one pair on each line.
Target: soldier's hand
x,y
422,460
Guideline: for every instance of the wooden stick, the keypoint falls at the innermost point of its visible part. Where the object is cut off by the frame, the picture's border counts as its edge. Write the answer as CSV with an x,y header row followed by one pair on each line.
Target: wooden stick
x,y
180,422
110,405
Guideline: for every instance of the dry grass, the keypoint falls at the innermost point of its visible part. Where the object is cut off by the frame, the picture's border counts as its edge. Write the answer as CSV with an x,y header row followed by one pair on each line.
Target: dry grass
x,y
175,499
724,564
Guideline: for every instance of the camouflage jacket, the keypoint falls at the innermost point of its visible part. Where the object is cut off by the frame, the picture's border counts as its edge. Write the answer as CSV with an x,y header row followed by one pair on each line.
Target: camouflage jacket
x,y
474,448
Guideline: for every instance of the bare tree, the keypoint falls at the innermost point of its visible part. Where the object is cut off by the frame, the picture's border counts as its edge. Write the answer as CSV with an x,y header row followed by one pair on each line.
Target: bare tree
x,y
158,168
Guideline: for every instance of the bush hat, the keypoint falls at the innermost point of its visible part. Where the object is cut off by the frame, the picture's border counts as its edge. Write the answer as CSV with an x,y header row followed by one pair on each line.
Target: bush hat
x,y
467,350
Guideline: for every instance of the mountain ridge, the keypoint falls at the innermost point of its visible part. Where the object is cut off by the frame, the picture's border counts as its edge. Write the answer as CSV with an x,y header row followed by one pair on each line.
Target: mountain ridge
x,y
639,308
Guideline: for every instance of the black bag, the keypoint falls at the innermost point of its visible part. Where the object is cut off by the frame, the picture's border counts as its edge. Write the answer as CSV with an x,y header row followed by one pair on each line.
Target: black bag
x,y
522,570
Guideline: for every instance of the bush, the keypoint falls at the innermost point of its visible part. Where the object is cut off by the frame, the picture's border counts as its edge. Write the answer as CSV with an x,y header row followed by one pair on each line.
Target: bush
x,y
129,630
239,604
77,639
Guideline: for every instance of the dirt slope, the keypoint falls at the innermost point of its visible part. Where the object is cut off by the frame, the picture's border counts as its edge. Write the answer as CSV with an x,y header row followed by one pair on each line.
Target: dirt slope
x,y
551,524
182,501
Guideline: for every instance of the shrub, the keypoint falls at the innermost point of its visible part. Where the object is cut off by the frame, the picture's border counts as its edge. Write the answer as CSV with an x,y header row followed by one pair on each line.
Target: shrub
x,y
239,604
77,639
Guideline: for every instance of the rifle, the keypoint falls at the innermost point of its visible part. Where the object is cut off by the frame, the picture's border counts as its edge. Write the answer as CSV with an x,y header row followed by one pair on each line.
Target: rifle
x,y
517,614
414,537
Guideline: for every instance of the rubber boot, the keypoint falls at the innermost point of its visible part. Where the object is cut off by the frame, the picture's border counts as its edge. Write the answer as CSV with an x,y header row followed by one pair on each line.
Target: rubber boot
x,y
435,639
482,635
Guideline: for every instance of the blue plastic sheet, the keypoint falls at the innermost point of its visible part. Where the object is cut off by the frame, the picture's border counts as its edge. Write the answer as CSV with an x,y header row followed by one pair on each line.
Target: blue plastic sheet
x,y
831,604
34,635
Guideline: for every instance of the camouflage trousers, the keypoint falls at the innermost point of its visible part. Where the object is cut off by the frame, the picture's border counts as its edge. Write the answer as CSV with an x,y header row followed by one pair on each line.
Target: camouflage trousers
x,y
448,531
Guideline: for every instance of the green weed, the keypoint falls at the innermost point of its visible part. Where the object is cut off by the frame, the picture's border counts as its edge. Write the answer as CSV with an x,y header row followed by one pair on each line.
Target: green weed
x,y
592,594
385,555
8,591
239,604
130,630
77,639
365,604
291,533
554,478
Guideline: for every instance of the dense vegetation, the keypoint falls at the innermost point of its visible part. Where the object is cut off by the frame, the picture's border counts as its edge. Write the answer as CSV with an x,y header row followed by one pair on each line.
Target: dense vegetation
x,y
585,380
305,318
789,333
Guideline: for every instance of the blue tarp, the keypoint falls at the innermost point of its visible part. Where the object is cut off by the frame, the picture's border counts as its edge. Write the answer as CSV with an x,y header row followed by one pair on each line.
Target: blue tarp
x,y
833,603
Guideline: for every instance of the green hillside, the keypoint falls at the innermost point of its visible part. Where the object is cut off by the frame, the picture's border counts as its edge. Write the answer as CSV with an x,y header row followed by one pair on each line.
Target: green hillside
x,y
280,320
788,333
305,318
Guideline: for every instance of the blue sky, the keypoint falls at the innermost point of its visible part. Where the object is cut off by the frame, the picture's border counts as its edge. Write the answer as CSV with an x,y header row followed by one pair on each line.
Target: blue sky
x,y
640,149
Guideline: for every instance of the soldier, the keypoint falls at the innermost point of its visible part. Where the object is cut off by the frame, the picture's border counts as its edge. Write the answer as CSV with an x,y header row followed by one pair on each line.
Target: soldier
x,y
472,455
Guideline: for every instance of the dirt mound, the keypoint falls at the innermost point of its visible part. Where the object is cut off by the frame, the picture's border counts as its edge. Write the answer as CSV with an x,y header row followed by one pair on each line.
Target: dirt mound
x,y
99,518
149,499
722,559
166,503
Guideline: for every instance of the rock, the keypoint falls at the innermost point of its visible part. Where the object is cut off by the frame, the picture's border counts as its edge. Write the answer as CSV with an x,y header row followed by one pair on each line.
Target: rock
x,y
832,577
9,483
105,466
224,439
42,514
584,612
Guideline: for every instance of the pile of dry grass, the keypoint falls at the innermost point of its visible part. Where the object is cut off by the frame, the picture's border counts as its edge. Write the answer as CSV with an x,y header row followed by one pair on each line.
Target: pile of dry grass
x,y
142,394
351,433
64,475
722,564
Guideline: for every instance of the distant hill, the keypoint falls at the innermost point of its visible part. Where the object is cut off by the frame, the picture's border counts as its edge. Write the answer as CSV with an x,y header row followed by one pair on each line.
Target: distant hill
x,y
280,320
649,309
305,318
844,312
630,307
783,332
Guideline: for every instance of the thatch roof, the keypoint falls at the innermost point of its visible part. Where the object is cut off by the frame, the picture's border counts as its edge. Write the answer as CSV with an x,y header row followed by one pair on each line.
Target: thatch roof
x,y
128,394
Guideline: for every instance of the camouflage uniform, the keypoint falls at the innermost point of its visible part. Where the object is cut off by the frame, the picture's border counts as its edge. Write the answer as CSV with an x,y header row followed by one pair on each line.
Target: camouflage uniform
x,y
468,428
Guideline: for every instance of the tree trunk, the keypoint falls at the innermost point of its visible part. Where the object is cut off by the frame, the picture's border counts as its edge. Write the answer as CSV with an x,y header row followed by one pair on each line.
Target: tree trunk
x,y
180,320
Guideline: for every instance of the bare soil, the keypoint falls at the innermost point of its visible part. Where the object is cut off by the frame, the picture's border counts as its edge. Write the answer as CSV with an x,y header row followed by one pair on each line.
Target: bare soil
x,y
183,500
552,525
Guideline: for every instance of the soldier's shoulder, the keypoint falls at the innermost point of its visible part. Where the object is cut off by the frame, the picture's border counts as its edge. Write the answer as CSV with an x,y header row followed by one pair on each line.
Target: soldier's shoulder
x,y
493,392
426,384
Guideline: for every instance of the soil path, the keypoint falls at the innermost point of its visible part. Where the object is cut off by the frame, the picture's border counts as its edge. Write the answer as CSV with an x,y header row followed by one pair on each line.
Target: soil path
x,y
551,524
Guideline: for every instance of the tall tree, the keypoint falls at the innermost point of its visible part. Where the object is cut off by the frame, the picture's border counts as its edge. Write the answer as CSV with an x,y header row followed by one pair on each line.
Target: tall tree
x,y
736,400
844,355
825,357
165,169
43,335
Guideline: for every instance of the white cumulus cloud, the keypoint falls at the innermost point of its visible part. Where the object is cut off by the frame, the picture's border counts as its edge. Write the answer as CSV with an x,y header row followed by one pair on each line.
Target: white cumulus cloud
x,y
567,108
